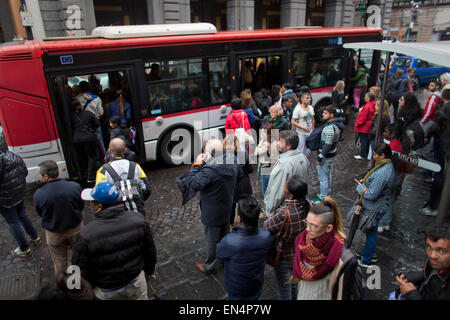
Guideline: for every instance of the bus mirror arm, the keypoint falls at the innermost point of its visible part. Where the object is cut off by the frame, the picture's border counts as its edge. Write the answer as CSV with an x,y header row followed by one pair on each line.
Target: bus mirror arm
x,y
223,109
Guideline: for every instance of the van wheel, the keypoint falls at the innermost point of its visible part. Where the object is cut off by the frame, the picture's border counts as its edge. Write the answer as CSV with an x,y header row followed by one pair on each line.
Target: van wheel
x,y
177,147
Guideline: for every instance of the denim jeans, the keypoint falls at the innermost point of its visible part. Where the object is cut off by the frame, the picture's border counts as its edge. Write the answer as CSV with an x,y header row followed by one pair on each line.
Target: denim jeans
x,y
264,183
385,221
371,241
255,297
324,171
283,272
364,139
15,217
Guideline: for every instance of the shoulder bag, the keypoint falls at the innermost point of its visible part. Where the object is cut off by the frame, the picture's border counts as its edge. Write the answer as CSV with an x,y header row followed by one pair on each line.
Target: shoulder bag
x,y
276,246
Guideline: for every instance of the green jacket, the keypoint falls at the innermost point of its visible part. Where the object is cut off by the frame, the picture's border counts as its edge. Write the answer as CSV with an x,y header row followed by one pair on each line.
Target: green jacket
x,y
359,80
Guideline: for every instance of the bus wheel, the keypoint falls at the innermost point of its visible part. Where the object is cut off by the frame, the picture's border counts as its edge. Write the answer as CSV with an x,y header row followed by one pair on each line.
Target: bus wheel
x,y
176,147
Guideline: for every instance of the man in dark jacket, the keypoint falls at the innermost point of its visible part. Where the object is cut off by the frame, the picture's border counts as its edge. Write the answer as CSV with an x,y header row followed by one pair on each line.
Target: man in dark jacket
x,y
84,128
59,204
433,283
13,173
115,252
215,175
244,253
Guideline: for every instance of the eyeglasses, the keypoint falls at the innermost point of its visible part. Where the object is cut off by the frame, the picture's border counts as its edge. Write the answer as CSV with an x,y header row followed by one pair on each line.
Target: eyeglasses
x,y
310,226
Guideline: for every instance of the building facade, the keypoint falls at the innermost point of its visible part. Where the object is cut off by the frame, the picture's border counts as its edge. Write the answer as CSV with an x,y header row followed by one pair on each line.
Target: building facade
x,y
57,18
431,20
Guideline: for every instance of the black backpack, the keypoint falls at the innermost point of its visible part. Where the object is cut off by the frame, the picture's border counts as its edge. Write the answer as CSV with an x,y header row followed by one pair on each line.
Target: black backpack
x,y
130,192
312,142
354,285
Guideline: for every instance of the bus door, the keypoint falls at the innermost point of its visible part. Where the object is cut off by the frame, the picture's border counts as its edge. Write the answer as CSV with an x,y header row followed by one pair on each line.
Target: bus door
x,y
261,71
118,97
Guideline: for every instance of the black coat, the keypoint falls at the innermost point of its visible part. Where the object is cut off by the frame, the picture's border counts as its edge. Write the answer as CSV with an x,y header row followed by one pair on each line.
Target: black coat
x,y
84,125
216,182
13,173
430,286
113,249
59,204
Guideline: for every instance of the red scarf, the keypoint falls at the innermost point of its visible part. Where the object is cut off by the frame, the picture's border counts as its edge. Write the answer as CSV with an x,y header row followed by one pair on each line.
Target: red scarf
x,y
322,254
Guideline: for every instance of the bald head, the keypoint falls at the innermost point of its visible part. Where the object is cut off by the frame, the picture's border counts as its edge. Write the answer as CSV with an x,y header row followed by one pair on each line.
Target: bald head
x,y
275,110
117,147
213,146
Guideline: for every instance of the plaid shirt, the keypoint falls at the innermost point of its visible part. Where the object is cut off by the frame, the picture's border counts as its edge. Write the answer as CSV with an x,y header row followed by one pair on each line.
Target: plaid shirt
x,y
298,211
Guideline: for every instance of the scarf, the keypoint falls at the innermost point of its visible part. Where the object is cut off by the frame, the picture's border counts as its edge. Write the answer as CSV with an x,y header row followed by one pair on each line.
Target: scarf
x,y
275,121
377,166
322,254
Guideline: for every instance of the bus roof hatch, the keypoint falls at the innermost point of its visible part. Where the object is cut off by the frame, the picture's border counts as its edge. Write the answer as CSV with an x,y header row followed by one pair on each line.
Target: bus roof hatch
x,y
153,30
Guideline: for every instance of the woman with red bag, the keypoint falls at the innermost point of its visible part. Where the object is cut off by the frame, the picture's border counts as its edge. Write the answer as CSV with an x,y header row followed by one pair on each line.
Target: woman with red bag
x,y
363,124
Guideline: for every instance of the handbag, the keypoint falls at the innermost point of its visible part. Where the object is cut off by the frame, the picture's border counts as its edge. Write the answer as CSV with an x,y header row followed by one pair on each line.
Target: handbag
x,y
276,246
241,134
369,221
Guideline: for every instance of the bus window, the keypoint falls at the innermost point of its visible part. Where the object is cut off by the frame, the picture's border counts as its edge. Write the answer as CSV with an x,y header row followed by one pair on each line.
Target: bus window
x,y
299,68
219,80
323,73
180,86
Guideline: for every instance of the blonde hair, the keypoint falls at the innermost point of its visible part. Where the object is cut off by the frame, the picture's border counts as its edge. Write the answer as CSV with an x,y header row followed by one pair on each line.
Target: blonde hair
x,y
231,144
324,209
340,85
376,91
385,108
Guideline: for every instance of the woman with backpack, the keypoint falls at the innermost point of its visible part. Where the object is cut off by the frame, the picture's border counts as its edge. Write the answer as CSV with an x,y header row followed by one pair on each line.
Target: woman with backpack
x,y
297,207
237,118
339,99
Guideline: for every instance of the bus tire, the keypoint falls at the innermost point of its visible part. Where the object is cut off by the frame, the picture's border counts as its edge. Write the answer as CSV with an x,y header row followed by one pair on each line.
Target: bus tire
x,y
176,147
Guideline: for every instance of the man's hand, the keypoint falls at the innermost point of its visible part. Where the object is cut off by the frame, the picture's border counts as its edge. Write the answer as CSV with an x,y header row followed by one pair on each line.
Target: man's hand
x,y
405,285
201,158
151,276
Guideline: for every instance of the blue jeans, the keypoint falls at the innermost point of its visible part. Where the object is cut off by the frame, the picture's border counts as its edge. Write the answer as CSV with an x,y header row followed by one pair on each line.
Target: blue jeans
x,y
15,217
324,171
364,139
264,183
371,241
387,218
283,272
255,297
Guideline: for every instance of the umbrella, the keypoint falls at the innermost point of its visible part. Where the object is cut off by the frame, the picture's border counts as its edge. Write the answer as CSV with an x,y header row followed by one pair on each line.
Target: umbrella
x,y
357,208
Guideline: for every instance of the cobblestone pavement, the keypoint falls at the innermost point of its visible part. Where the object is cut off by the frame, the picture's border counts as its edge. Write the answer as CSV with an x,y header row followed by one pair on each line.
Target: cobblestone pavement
x,y
179,235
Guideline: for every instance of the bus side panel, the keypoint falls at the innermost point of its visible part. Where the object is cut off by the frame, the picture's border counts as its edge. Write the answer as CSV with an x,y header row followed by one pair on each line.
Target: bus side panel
x,y
29,130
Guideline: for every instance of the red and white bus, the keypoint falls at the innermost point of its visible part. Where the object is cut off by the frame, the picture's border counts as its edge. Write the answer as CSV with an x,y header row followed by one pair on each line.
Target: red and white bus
x,y
200,70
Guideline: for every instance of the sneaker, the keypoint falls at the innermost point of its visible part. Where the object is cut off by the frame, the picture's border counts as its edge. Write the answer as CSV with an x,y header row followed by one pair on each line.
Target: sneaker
x,y
374,258
316,201
429,180
387,228
380,229
37,241
318,194
364,264
358,157
428,212
21,254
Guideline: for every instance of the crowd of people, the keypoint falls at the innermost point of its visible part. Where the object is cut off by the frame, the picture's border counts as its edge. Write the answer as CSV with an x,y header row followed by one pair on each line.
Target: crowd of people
x,y
116,252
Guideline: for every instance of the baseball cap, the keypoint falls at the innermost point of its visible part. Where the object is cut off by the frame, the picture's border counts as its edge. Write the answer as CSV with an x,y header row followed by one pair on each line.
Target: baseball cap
x,y
103,192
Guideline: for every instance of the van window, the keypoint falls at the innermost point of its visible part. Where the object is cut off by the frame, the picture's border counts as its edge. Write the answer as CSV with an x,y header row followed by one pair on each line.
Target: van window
x,y
402,62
